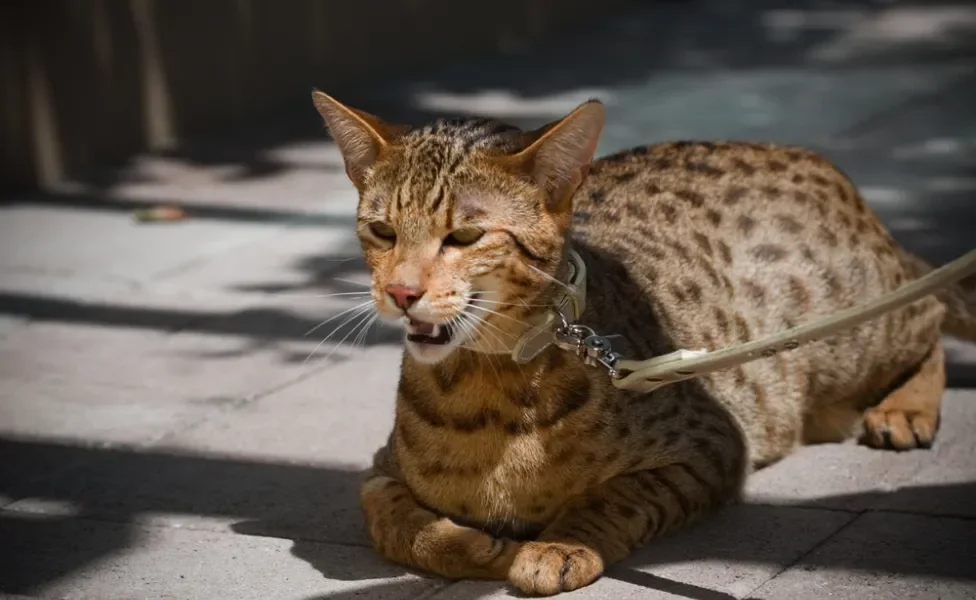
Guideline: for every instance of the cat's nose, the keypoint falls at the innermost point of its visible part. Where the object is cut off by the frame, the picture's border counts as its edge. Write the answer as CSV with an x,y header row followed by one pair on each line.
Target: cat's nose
x,y
404,296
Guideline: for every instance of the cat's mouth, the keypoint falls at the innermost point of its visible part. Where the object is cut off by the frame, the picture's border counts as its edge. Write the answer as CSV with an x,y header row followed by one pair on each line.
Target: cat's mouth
x,y
421,332
436,334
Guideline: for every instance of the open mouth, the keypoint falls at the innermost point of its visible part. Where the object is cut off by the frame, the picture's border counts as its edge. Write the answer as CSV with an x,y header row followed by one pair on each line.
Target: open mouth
x,y
421,332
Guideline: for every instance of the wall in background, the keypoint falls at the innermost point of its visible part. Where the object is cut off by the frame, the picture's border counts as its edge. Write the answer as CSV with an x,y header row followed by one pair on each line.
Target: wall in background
x,y
85,82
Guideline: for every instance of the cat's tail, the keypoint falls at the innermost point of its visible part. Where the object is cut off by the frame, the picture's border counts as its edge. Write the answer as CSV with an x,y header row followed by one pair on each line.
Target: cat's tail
x,y
959,299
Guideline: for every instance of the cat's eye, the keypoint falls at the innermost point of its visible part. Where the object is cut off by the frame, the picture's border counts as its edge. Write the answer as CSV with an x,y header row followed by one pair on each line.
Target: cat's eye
x,y
382,231
463,237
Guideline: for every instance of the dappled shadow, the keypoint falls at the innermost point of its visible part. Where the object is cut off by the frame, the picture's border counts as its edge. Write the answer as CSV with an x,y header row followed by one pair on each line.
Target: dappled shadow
x,y
960,363
197,211
529,77
663,69
332,273
259,323
104,494
128,485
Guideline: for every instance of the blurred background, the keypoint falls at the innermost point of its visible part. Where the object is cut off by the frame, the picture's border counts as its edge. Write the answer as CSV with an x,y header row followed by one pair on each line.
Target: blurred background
x,y
174,221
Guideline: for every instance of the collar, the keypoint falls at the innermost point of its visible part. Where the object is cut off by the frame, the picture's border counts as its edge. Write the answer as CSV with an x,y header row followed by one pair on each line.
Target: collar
x,y
566,306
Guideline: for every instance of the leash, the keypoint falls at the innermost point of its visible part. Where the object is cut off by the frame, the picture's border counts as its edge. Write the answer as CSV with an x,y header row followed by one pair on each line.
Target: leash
x,y
556,328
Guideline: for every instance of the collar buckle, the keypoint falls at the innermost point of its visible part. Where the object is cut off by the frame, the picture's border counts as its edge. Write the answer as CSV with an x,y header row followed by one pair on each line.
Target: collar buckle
x,y
571,299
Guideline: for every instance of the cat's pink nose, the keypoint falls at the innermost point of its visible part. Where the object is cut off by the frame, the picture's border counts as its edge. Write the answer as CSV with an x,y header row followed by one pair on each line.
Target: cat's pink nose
x,y
404,296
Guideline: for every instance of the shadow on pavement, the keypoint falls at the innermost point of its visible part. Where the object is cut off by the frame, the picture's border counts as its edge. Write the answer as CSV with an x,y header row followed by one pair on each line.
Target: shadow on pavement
x,y
318,505
312,505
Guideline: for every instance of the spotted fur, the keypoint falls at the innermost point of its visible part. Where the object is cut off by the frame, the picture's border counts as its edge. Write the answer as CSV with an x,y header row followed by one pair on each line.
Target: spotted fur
x,y
544,473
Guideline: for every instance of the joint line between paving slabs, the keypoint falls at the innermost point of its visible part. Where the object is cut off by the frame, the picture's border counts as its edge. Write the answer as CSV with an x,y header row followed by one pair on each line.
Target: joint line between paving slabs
x,y
435,590
854,517
245,400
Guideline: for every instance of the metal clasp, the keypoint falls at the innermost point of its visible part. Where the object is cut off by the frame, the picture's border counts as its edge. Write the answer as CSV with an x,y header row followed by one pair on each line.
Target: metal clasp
x,y
595,350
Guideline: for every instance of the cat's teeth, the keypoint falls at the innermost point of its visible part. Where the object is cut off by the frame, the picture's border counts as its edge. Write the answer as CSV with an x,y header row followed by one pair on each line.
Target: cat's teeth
x,y
436,331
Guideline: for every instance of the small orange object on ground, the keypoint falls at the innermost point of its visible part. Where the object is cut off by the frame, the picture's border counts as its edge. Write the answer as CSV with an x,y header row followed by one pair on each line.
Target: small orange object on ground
x,y
160,214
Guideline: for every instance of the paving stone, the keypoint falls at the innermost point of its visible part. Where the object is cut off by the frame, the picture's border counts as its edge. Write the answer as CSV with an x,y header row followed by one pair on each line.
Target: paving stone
x,y
9,324
886,555
89,413
288,464
79,352
28,462
762,103
198,491
960,363
339,415
946,485
606,588
63,557
295,261
311,172
110,245
854,477
736,550
87,298
220,356
725,557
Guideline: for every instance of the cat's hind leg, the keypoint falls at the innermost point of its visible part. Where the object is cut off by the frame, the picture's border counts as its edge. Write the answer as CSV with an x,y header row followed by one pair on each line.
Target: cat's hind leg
x,y
908,417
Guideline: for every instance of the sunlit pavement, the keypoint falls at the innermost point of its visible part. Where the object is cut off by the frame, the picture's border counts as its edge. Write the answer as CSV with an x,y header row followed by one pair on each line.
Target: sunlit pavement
x,y
168,429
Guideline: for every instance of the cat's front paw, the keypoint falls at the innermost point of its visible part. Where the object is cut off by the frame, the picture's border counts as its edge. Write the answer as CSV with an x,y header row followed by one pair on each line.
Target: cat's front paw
x,y
547,568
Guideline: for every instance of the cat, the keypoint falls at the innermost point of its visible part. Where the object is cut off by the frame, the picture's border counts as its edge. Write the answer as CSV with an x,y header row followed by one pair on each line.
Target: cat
x,y
544,473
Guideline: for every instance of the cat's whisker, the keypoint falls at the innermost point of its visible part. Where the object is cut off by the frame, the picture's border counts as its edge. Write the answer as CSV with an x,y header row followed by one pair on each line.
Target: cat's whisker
x,y
504,316
469,332
497,340
551,278
363,319
482,321
351,282
521,302
336,316
319,296
363,309
360,340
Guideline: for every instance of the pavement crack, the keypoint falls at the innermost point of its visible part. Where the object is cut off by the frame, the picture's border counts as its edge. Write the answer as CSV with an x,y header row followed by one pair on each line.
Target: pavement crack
x,y
786,567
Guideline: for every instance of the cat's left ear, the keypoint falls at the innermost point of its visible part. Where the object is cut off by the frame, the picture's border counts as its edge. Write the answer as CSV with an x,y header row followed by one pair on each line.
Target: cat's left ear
x,y
361,137
560,155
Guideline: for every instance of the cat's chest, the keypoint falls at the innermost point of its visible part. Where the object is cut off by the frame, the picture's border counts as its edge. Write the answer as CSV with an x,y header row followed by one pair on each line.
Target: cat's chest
x,y
495,479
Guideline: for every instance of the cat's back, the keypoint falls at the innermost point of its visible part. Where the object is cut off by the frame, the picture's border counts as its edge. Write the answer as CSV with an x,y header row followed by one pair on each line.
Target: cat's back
x,y
729,242
736,214
765,227
740,193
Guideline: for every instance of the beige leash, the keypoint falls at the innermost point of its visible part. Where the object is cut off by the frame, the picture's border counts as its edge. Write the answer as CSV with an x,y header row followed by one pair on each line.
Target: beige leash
x,y
644,376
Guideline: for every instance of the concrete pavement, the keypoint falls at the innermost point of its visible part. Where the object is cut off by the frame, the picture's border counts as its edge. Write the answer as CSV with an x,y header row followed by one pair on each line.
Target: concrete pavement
x,y
167,429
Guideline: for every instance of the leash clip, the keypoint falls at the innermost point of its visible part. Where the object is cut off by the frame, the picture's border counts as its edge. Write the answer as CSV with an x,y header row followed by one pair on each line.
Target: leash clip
x,y
595,350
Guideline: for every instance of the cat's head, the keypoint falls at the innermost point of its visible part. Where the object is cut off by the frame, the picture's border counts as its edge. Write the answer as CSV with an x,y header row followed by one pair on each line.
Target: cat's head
x,y
463,222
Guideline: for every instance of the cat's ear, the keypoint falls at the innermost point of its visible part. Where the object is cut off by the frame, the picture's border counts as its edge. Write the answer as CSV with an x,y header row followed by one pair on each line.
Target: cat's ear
x,y
560,154
361,137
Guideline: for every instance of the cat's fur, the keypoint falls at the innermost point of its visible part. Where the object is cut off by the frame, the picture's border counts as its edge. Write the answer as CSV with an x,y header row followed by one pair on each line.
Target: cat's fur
x,y
544,473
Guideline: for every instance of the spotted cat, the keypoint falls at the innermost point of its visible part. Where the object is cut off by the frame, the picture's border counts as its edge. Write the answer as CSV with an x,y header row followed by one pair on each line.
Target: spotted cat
x,y
543,473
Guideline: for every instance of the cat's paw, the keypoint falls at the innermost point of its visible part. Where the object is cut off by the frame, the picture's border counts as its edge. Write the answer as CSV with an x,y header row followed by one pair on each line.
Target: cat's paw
x,y
548,568
898,429
459,552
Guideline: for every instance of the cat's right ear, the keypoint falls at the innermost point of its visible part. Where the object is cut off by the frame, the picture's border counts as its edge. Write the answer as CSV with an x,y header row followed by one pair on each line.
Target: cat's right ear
x,y
560,153
361,137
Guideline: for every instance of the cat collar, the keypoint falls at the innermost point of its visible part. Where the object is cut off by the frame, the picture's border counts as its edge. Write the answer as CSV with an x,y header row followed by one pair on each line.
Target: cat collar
x,y
566,307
